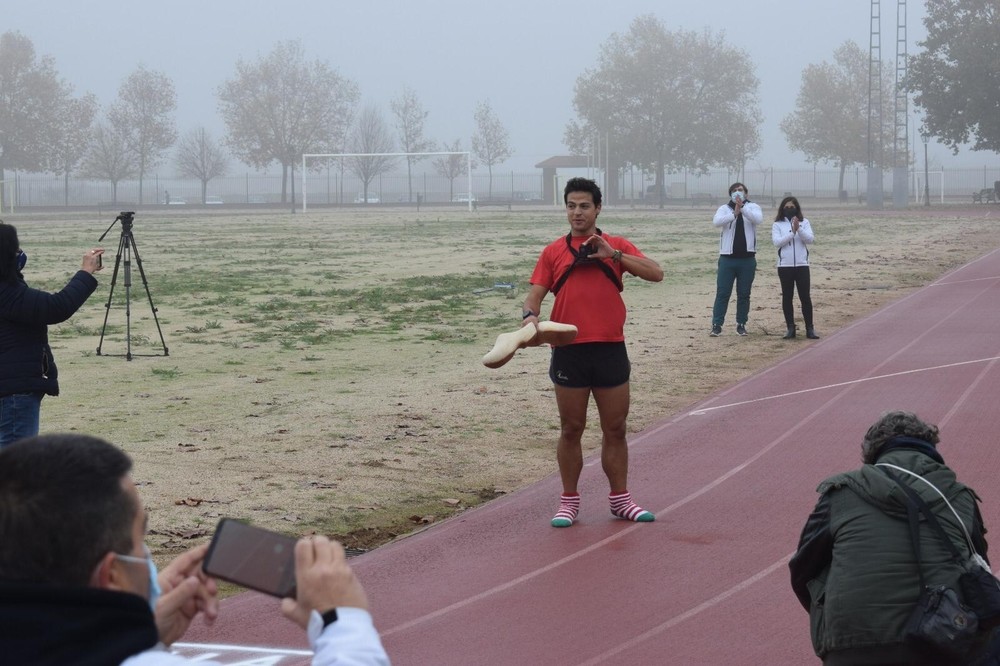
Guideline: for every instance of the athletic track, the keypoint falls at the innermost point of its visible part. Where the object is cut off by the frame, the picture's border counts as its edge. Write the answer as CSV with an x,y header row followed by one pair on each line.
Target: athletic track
x,y
731,481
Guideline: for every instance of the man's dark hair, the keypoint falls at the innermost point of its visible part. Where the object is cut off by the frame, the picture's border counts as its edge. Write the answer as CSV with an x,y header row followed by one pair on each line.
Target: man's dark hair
x,y
732,188
9,245
62,508
582,185
896,424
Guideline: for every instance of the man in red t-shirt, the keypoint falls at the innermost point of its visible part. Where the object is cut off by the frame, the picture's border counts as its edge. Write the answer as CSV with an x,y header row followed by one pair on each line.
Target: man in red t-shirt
x,y
584,270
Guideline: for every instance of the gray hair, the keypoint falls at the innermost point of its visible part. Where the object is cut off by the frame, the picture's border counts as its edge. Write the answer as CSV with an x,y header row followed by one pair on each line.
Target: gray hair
x,y
895,424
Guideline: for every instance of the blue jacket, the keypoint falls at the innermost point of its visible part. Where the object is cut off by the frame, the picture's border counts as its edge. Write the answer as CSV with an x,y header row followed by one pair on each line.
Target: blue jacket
x,y
26,362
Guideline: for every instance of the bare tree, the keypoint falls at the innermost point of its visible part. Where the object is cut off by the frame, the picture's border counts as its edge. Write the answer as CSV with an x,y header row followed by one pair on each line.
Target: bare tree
x,y
200,156
453,166
830,120
143,114
282,106
491,142
109,157
370,134
73,136
667,101
32,99
410,117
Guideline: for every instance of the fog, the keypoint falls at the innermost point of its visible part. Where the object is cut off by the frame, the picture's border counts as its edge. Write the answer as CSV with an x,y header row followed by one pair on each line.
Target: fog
x,y
524,57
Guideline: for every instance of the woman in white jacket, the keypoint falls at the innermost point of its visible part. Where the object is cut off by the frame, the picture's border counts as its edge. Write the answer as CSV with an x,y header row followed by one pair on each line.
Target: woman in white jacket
x,y
791,233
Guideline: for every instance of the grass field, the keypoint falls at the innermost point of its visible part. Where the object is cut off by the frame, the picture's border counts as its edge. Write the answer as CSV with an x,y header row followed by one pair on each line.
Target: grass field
x,y
323,370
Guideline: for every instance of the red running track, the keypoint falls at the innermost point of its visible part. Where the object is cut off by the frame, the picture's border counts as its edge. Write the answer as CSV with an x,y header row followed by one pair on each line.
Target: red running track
x,y
731,481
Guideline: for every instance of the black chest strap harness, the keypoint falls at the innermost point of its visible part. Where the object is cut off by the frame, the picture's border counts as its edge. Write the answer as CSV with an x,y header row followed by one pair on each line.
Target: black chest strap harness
x,y
582,257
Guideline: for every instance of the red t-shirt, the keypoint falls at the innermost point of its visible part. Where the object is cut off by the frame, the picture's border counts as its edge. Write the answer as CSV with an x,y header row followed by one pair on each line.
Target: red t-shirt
x,y
588,299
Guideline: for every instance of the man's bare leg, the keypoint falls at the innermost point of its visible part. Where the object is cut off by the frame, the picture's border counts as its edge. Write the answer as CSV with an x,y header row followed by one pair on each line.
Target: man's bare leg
x,y
613,406
572,403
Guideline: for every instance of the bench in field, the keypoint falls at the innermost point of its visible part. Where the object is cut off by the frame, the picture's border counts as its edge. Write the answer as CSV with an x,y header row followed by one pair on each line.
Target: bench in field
x,y
479,203
985,195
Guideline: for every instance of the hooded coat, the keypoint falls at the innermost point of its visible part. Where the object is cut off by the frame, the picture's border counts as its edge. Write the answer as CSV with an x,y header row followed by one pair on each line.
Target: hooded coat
x,y
855,570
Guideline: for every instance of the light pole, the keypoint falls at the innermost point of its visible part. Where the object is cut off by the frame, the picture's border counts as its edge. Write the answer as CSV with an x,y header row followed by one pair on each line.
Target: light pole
x,y
927,184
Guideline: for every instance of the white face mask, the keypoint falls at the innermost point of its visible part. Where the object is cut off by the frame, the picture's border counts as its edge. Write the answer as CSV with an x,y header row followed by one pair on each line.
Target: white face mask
x,y
738,196
154,576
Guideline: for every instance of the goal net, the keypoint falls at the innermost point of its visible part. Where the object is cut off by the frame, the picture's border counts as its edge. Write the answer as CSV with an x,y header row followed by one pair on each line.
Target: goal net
x,y
312,158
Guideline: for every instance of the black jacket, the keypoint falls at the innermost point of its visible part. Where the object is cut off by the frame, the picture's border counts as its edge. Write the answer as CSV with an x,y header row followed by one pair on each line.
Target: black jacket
x,y
65,626
26,362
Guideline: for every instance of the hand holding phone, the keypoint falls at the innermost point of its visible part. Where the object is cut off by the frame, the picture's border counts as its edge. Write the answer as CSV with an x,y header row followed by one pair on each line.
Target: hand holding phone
x,y
325,579
253,557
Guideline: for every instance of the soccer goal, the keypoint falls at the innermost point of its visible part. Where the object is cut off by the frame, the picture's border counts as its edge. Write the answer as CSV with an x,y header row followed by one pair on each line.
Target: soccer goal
x,y
329,156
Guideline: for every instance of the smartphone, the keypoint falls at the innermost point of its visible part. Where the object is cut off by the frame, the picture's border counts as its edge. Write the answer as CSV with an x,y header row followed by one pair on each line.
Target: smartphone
x,y
100,264
252,557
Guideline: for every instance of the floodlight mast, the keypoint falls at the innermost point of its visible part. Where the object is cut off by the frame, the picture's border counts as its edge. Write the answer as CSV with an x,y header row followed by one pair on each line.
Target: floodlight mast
x,y
468,167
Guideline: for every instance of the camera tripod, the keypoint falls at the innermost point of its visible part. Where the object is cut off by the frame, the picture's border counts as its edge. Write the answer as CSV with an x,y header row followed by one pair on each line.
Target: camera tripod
x,y
126,248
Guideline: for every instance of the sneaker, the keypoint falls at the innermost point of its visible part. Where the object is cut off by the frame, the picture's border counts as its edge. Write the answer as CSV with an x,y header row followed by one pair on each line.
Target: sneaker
x,y
716,331
741,329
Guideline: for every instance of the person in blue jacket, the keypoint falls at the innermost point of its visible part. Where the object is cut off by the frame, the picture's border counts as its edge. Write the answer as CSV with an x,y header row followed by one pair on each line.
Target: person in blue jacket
x,y
27,367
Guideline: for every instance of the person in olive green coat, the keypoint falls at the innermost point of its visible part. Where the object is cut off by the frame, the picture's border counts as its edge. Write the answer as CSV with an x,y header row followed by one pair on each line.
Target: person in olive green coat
x,y
855,570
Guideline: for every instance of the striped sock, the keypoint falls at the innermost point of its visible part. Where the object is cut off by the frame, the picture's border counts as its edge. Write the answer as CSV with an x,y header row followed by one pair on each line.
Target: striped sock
x,y
569,506
623,507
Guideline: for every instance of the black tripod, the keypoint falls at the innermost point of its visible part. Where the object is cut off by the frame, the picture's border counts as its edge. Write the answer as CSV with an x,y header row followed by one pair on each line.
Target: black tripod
x,y
126,247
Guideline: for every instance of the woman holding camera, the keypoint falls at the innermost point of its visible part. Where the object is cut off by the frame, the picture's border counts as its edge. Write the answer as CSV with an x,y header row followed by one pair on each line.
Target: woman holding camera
x,y
791,233
27,368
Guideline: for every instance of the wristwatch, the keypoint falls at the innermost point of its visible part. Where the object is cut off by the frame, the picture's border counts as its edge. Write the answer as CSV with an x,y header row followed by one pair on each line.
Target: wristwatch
x,y
616,256
329,617
528,313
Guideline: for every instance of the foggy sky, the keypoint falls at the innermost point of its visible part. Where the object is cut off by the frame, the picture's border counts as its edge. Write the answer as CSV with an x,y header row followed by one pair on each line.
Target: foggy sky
x,y
523,56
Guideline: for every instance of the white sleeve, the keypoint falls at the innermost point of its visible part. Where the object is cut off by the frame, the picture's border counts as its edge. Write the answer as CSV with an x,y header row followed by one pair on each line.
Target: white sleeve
x,y
806,232
349,641
752,213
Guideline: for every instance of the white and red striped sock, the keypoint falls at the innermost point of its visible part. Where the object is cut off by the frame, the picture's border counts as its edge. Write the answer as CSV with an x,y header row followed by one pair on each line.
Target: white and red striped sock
x,y
622,506
569,507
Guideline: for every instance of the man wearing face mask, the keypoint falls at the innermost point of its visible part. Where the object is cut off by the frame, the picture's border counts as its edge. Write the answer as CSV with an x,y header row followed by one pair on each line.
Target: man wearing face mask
x,y
78,586
27,367
737,222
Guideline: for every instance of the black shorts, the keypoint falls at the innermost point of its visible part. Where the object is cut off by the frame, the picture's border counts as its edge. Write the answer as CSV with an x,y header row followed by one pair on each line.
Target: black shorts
x,y
590,365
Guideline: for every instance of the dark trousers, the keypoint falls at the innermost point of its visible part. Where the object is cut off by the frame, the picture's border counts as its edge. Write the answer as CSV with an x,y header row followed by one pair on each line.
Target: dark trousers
x,y
741,271
792,278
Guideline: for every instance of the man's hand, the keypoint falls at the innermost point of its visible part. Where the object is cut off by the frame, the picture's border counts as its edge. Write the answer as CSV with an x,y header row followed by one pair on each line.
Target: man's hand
x,y
187,590
599,248
323,580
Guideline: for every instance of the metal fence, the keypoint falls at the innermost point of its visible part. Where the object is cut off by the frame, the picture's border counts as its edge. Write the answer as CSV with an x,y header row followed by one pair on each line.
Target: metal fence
x,y
333,187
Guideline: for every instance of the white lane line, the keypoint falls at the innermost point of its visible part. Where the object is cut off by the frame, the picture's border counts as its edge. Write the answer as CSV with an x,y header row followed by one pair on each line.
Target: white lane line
x,y
691,612
221,647
705,410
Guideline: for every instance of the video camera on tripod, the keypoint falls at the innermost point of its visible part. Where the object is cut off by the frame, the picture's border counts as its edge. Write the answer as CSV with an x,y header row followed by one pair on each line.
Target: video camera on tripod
x,y
126,248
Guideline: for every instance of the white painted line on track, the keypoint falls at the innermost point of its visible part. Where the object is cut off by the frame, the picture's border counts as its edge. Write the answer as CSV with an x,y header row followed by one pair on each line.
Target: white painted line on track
x,y
691,612
778,396
222,647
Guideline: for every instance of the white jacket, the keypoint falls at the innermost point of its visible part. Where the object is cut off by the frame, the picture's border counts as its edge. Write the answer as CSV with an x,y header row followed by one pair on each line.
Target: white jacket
x,y
725,218
792,250
350,641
